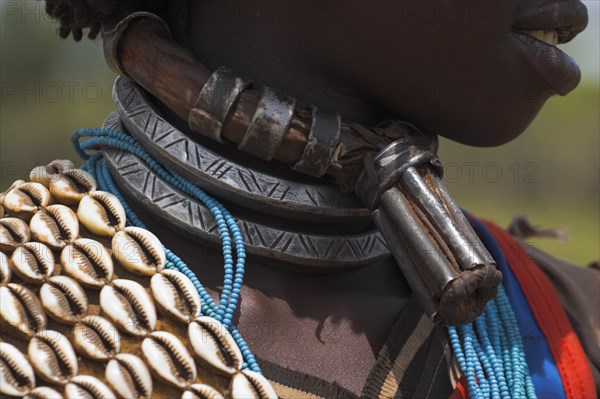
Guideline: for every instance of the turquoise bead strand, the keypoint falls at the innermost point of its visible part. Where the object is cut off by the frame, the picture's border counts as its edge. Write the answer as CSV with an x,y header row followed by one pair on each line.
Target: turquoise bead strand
x,y
490,353
233,277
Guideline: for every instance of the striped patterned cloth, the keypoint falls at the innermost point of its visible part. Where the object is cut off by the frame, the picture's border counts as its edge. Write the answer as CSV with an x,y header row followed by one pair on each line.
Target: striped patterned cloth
x,y
415,362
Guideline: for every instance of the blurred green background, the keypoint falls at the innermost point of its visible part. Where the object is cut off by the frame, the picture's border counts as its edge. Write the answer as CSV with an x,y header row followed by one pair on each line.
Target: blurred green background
x,y
51,87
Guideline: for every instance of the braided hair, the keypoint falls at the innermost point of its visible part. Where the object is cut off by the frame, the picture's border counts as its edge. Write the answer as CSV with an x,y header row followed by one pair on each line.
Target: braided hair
x,y
74,16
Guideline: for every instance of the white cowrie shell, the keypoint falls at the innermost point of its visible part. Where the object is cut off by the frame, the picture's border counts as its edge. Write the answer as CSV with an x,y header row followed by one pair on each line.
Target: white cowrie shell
x,y
52,357
21,312
250,385
214,346
139,251
101,213
27,199
43,393
16,374
13,232
129,306
175,295
63,299
128,375
70,186
96,338
169,360
87,387
44,174
5,269
201,391
15,184
55,226
33,262
39,175
16,201
88,262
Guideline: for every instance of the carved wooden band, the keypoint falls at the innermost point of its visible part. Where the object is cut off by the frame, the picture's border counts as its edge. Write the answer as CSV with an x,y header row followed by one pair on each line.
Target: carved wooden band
x,y
322,141
215,101
269,125
111,39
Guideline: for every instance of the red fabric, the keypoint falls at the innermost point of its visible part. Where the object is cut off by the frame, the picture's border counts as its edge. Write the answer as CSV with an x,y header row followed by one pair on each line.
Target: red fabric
x,y
550,316
462,389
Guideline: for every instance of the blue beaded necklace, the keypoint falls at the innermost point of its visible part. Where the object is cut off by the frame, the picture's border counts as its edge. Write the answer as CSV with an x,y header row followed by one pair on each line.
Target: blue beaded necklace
x,y
228,228
489,351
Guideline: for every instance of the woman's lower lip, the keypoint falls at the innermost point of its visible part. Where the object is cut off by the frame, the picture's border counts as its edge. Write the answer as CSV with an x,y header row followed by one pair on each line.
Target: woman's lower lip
x,y
560,71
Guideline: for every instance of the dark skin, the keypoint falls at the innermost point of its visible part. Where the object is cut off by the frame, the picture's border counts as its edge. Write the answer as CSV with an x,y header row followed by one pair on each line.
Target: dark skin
x,y
452,68
463,76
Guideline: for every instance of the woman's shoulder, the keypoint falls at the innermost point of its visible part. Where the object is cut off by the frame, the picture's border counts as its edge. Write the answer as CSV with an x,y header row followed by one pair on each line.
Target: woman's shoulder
x,y
578,288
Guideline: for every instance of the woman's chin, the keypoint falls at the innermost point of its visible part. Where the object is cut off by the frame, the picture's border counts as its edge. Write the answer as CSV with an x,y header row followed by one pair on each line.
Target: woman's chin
x,y
498,127
484,137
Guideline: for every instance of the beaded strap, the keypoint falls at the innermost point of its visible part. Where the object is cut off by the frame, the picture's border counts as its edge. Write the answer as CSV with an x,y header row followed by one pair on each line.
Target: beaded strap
x,y
124,302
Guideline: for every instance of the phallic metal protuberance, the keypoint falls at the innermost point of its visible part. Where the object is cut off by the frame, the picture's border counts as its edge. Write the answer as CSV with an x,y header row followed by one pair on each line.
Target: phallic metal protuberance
x,y
88,262
96,338
53,357
13,232
16,374
448,268
26,199
214,346
138,251
34,262
175,295
101,213
129,377
69,187
169,359
21,312
129,306
55,226
63,299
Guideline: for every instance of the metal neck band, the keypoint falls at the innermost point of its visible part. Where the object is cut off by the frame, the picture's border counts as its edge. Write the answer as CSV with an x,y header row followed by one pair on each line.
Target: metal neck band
x,y
332,237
